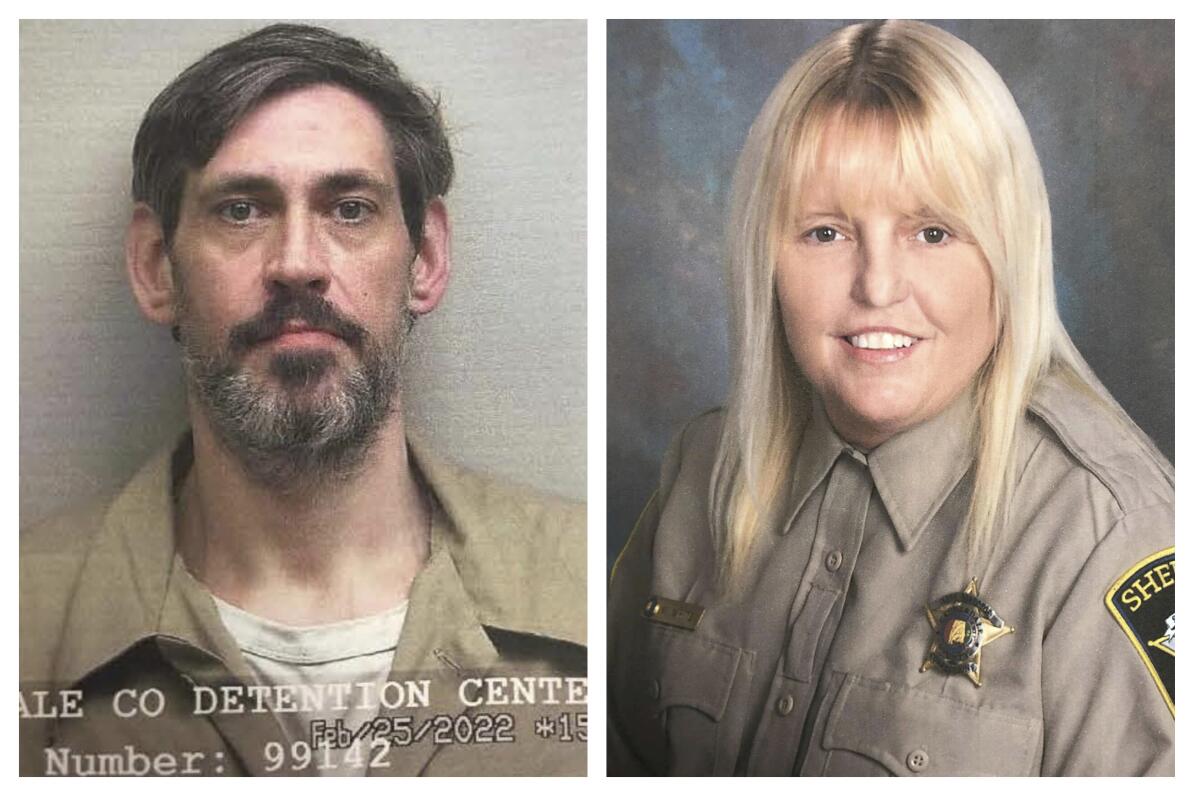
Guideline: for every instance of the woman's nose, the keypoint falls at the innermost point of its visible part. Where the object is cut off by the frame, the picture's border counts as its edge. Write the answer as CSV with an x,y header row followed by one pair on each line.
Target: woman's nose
x,y
881,279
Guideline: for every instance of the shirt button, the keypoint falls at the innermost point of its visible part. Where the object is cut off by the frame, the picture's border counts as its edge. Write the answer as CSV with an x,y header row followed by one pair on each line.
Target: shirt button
x,y
918,760
785,704
655,689
833,561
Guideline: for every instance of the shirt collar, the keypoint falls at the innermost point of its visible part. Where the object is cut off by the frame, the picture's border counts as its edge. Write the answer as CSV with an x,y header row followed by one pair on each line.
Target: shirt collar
x,y
132,587
913,472
820,447
123,581
521,555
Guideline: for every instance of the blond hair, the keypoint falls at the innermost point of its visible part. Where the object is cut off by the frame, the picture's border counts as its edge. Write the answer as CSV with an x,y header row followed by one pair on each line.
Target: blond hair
x,y
960,144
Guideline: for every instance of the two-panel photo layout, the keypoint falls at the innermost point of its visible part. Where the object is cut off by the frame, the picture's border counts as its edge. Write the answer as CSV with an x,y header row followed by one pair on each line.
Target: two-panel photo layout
x,y
864,465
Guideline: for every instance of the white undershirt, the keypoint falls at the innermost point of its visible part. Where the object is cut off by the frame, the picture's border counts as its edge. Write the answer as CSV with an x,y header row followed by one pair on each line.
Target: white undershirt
x,y
356,651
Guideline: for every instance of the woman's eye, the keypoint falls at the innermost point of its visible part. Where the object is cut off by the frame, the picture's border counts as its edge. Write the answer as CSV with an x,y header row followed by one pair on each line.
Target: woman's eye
x,y
352,210
240,212
824,235
933,235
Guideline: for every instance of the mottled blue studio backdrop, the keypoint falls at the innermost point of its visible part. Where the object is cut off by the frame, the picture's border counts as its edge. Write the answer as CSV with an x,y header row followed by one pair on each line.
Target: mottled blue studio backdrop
x,y
1098,97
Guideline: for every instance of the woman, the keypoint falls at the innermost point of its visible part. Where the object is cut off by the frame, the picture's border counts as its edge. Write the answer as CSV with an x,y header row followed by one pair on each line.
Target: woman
x,y
922,539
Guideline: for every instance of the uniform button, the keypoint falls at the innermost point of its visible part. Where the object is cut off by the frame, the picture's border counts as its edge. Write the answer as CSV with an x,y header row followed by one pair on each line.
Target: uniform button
x,y
655,689
833,561
785,704
918,760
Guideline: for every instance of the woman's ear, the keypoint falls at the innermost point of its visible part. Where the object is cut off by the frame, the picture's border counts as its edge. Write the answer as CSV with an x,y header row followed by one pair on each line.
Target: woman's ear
x,y
430,270
148,266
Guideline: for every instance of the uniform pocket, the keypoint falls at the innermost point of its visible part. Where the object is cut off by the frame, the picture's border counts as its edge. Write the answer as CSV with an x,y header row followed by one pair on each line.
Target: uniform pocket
x,y
691,679
884,728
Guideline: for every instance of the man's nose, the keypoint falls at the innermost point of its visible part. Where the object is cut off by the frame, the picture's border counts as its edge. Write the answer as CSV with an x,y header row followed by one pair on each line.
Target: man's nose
x,y
299,259
882,277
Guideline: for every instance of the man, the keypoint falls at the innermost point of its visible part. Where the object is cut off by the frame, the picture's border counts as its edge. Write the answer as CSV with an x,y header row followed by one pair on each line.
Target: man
x,y
298,586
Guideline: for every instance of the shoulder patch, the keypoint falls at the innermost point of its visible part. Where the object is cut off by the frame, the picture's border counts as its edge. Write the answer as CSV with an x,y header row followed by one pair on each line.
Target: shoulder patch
x,y
1143,603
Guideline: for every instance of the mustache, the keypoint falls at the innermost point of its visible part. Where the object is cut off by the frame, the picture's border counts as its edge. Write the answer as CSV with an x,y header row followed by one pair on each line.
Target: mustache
x,y
310,308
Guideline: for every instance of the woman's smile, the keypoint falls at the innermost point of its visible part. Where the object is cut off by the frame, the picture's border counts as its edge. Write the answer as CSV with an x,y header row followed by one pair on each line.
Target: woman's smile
x,y
880,346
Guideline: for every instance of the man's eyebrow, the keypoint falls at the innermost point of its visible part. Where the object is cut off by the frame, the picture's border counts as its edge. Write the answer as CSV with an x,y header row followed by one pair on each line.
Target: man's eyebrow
x,y
328,183
240,183
353,180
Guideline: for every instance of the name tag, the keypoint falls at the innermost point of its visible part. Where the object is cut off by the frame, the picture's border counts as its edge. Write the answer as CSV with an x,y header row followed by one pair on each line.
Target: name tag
x,y
673,612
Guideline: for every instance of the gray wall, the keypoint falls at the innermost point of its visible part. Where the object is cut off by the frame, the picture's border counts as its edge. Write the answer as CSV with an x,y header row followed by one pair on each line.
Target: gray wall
x,y
1098,98
497,375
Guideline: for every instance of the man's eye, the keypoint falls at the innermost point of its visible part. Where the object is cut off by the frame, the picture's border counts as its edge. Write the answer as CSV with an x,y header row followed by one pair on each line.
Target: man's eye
x,y
933,235
352,210
240,212
823,235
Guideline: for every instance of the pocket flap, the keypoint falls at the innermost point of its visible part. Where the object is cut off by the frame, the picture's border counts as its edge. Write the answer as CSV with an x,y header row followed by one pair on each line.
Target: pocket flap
x,y
691,670
917,732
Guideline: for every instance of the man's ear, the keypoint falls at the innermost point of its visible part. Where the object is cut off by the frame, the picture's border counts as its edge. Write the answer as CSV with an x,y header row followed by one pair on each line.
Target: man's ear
x,y
148,267
431,268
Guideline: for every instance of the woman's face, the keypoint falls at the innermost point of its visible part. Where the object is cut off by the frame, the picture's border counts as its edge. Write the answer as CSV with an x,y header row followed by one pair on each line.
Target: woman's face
x,y
887,309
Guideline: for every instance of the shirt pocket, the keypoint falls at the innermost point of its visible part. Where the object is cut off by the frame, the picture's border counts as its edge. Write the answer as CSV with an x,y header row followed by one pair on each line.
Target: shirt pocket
x,y
888,729
692,680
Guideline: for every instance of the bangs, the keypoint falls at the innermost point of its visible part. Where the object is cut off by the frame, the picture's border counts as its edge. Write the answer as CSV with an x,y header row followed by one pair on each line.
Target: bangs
x,y
880,156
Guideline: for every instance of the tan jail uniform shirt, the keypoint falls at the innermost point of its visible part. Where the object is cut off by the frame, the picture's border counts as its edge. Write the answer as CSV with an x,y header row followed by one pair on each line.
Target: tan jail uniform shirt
x,y
109,612
814,669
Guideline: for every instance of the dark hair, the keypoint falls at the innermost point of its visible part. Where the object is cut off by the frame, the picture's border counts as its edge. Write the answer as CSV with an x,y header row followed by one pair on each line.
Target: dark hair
x,y
186,123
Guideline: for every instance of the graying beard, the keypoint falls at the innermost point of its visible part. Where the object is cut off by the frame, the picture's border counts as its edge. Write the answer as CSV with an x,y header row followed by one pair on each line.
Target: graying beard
x,y
289,448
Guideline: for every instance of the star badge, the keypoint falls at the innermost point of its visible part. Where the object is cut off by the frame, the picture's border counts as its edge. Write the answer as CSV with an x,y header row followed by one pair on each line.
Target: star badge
x,y
962,626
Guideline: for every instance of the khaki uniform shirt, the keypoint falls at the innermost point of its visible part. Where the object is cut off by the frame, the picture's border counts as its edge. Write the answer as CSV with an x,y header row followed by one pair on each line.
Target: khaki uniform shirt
x,y
108,610
815,668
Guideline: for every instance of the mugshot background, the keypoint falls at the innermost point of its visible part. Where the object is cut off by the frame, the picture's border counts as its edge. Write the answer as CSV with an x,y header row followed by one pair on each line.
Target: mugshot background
x,y
496,375
1099,101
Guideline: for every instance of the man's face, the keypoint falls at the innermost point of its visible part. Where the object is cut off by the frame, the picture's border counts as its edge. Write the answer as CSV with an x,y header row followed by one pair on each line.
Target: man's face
x,y
290,261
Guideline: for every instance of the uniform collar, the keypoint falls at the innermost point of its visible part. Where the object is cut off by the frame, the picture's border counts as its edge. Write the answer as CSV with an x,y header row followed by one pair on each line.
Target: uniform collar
x,y
913,472
133,587
520,554
820,447
123,581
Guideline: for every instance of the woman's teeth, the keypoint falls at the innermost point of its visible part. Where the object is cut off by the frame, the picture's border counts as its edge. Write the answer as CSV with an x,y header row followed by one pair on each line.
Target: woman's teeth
x,y
881,340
